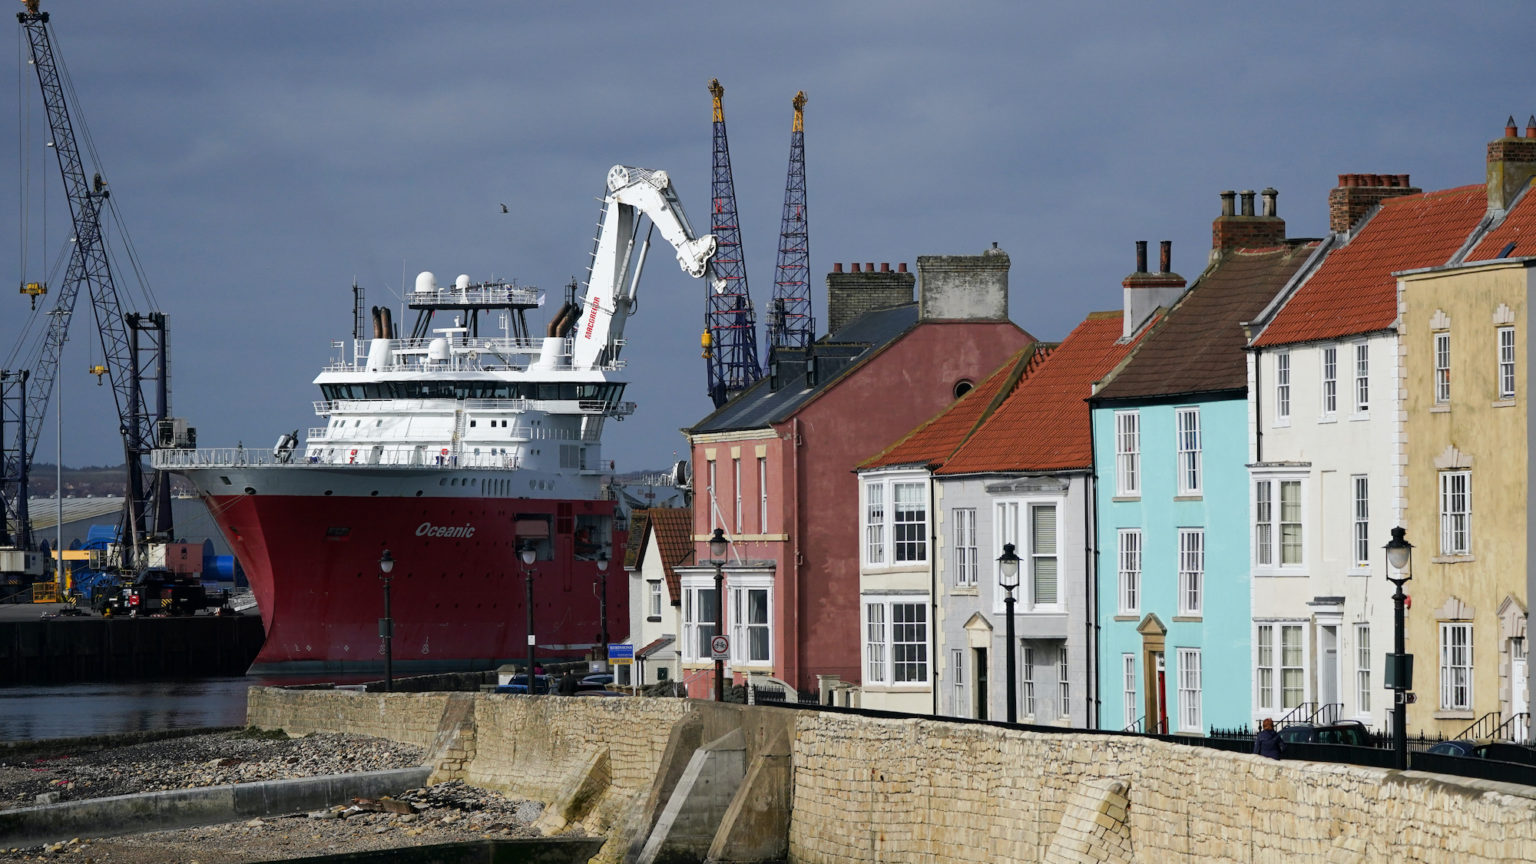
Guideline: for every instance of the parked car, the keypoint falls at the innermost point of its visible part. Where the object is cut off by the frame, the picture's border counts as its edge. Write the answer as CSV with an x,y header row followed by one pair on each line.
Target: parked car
x,y
1499,751
596,681
1456,747
1350,732
519,684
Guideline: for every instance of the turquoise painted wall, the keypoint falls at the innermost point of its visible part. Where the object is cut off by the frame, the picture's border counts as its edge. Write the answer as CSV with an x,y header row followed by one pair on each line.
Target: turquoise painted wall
x,y
1222,630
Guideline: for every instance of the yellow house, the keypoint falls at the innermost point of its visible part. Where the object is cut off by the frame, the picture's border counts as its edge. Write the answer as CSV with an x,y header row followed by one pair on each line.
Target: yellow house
x,y
1463,439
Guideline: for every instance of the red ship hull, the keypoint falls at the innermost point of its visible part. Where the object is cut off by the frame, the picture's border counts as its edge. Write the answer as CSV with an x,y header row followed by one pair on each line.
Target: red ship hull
x,y
457,587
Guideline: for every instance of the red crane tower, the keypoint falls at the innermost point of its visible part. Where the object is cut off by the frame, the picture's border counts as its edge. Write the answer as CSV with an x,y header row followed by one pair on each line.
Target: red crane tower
x,y
730,324
791,321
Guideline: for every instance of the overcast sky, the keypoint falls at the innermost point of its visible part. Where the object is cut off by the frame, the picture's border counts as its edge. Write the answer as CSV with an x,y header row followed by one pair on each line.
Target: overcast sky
x,y
263,155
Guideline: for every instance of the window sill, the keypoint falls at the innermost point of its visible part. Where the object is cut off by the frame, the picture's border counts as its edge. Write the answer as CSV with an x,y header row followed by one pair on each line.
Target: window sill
x,y
1355,418
1126,498
1440,408
1188,619
1284,423
1328,418
1190,496
1452,559
1127,617
1358,571
1282,574
1454,715
1504,403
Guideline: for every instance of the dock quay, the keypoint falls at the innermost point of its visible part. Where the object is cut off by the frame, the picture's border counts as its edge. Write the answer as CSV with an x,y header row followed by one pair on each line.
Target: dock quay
x,y
37,649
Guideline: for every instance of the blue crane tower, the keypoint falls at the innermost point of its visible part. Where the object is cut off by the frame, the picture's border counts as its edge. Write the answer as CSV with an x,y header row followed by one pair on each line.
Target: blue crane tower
x,y
791,320
730,324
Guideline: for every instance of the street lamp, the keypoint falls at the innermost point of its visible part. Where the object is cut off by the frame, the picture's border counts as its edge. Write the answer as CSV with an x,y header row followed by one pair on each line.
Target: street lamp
x,y
1008,578
528,553
1399,663
602,606
387,624
717,549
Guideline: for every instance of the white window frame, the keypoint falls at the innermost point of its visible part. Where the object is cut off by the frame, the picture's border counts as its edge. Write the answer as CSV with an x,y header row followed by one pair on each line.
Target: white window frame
x,y
1505,343
1282,388
885,618
967,563
1063,682
1456,666
1013,522
1330,383
714,503
889,539
1269,679
1442,359
957,673
1128,556
740,589
1362,378
1190,691
1360,535
1362,669
1131,707
1128,453
1038,558
1456,512
1269,524
736,470
762,494
1028,673
1189,443
653,590
698,622
1191,571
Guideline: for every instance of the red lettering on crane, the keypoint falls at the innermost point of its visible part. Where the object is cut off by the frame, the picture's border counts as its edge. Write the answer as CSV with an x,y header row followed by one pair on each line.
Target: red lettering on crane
x,y
591,319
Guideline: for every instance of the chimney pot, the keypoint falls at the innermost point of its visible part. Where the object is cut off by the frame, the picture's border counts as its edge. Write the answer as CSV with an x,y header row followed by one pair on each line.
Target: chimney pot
x,y
1164,256
1228,202
1270,194
855,266
1247,196
1530,127
1141,256
902,267
885,266
1402,180
1509,128
869,266
838,267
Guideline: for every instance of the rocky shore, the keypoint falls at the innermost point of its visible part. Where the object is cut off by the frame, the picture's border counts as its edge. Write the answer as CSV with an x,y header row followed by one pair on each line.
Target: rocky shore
x,y
443,813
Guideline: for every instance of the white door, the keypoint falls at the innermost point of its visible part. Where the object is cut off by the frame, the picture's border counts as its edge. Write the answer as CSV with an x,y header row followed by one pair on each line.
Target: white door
x,y
1328,665
1519,689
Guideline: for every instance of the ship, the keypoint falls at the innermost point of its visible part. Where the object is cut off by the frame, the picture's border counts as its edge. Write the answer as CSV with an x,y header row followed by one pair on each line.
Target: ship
x,y
455,446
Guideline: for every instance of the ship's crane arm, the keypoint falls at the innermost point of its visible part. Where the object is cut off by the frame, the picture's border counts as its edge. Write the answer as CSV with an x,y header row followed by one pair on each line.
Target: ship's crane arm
x,y
631,193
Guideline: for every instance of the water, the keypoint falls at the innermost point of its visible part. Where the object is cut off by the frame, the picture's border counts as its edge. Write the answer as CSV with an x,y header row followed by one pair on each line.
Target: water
x,y
35,712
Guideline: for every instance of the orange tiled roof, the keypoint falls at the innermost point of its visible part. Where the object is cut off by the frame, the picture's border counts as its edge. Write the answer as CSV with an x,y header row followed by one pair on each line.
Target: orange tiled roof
x,y
932,442
673,527
1045,424
1353,291
1518,228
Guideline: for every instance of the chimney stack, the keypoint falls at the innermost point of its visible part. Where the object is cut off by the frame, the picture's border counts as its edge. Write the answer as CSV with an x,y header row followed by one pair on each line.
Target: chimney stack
x,y
1359,194
1246,231
1146,292
1511,164
851,294
963,287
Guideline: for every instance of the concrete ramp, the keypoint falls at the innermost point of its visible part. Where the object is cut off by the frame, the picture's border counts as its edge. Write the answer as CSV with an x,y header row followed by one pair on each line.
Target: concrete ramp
x,y
687,826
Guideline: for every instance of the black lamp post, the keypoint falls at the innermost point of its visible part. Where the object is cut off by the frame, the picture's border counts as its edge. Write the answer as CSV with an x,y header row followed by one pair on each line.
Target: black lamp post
x,y
1008,578
602,606
717,549
1399,663
528,553
387,623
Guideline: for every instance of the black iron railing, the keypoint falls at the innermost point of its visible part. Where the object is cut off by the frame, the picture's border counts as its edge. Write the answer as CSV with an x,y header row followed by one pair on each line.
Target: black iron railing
x,y
1482,728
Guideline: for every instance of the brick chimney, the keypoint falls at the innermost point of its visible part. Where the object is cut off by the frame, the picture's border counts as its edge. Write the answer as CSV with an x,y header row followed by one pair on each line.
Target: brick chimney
x,y
963,287
1358,194
850,295
1145,292
1511,164
1246,230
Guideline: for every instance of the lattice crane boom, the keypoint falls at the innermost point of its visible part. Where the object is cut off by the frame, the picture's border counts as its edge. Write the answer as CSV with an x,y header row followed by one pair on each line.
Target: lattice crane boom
x,y
791,319
730,322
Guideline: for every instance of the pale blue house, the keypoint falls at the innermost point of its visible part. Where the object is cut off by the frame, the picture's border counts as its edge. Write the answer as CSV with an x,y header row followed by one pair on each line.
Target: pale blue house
x,y
1170,440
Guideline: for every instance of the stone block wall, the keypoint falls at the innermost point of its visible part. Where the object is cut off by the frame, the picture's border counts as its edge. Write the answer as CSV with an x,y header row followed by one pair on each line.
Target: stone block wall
x,y
410,718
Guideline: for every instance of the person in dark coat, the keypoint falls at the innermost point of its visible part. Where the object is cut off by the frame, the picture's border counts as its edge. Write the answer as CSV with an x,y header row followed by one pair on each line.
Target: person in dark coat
x,y
568,683
1268,742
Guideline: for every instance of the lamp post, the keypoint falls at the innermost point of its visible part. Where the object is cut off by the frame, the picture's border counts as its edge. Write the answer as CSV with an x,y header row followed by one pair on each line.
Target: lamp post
x,y
387,624
717,549
602,606
528,553
1008,578
1399,663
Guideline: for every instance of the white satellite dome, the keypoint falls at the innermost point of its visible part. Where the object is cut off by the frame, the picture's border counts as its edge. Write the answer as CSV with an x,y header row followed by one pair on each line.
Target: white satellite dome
x,y
462,283
426,282
437,350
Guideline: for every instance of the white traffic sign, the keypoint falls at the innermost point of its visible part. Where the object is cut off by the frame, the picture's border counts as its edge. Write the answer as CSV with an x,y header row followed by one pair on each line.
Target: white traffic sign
x,y
720,648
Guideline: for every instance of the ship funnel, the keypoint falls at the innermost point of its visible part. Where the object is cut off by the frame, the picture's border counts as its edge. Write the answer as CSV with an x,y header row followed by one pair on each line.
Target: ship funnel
x,y
549,354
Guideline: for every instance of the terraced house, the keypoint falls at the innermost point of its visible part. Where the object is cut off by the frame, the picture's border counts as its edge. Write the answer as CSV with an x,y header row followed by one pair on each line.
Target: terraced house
x,y
1169,433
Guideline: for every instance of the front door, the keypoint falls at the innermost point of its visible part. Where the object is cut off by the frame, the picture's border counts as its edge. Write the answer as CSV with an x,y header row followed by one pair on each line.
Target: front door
x,y
1328,665
1519,689
979,656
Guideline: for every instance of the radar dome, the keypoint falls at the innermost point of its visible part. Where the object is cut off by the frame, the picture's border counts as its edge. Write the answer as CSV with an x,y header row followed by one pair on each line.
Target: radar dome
x,y
426,282
462,283
437,350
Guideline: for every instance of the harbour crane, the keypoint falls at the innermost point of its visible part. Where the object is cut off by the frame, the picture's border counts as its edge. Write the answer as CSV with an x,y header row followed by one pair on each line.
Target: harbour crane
x,y
730,323
121,335
791,320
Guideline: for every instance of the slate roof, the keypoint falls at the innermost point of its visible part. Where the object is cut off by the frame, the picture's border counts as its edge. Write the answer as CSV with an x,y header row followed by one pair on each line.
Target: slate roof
x,y
673,529
1198,346
931,443
1045,424
1518,228
1353,291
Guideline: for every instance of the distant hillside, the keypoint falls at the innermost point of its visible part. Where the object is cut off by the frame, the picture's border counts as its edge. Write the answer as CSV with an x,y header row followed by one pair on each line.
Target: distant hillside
x,y
92,481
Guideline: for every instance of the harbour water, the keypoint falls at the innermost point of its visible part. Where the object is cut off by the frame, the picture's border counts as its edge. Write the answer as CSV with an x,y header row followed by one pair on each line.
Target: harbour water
x,y
30,713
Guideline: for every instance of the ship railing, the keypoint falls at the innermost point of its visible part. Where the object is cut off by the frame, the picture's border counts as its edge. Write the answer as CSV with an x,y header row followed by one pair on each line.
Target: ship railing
x,y
217,457
481,294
